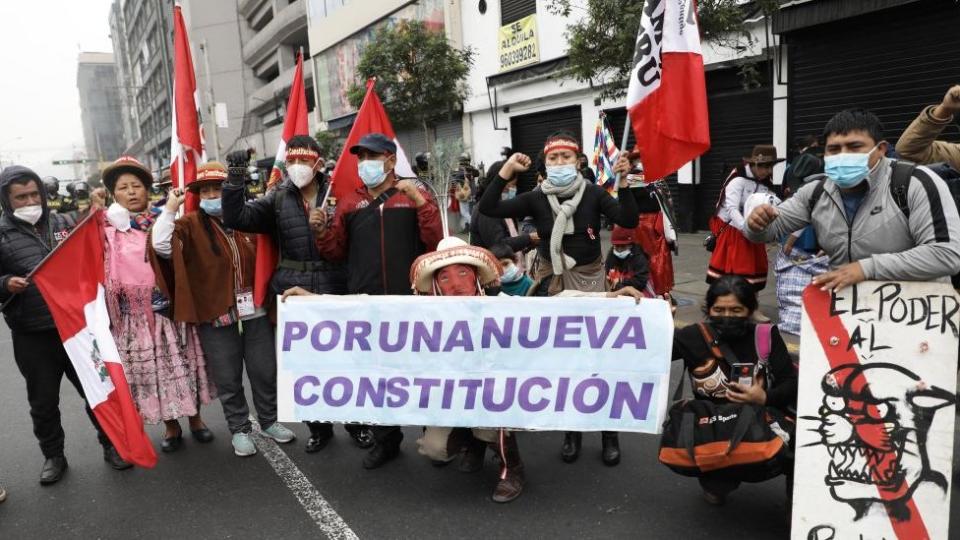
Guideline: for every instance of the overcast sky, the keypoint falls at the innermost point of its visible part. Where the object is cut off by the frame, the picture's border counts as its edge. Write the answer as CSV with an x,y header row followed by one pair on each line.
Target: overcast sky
x,y
39,101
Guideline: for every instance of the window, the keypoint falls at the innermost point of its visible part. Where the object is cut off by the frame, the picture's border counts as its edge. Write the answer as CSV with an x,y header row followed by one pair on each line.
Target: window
x,y
514,10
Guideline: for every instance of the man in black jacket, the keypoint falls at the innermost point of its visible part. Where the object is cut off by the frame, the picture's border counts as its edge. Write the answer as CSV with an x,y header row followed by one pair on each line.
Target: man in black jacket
x,y
28,233
283,214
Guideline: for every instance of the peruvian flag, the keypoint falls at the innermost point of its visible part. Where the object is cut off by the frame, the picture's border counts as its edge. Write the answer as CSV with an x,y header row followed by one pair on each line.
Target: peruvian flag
x,y
71,282
371,118
186,138
667,96
295,123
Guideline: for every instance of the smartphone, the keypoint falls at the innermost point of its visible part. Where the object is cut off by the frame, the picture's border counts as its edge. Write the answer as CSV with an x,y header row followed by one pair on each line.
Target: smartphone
x,y
742,374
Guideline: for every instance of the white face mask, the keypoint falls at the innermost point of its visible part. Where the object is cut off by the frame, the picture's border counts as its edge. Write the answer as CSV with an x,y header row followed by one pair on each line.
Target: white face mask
x,y
119,217
31,214
300,174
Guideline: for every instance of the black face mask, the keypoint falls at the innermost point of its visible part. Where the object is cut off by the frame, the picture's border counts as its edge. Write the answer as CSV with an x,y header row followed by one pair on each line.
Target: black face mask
x,y
729,327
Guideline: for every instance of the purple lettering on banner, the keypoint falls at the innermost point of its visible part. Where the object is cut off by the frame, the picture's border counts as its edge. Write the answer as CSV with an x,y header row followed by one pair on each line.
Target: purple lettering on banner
x,y
422,337
328,387
365,389
397,388
448,386
631,333
523,396
459,337
385,344
597,341
334,336
563,330
425,386
603,391
638,405
293,331
491,331
562,385
509,392
357,332
298,390
471,385
523,336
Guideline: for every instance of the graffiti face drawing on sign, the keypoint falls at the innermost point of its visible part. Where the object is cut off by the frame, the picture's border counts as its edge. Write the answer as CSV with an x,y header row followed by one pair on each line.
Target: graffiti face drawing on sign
x,y
874,423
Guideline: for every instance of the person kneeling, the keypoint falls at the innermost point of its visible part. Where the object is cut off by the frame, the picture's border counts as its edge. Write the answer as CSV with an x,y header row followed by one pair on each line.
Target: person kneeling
x,y
458,269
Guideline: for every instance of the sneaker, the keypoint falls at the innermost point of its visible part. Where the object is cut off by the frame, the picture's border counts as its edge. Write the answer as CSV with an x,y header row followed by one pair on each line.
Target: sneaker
x,y
3,494
279,433
243,445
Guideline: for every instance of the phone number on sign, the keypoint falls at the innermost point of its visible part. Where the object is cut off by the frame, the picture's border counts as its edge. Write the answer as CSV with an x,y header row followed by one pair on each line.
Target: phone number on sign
x,y
518,56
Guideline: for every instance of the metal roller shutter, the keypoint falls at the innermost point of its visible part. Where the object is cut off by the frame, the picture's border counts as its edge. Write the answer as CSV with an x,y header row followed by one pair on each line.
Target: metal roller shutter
x,y
514,10
738,120
893,62
529,131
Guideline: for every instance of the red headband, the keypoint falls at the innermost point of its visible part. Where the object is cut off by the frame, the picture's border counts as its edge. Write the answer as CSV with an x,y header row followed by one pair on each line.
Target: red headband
x,y
561,144
302,152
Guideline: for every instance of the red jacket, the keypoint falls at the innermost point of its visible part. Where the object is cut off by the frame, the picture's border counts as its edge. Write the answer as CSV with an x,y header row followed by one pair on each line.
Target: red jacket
x,y
381,239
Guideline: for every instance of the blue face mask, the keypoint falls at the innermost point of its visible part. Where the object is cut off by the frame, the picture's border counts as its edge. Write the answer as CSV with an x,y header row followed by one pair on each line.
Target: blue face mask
x,y
211,206
371,172
847,170
510,193
511,274
561,175
621,254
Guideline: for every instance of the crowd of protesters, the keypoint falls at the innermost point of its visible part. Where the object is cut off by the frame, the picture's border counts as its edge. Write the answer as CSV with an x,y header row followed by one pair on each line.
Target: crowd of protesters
x,y
180,289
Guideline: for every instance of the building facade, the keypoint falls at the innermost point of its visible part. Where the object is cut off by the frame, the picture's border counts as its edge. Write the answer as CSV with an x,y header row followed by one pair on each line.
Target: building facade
x,y
141,31
244,55
339,31
100,109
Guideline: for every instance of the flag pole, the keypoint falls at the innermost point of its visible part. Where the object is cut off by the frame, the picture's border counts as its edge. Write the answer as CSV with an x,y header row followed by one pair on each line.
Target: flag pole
x,y
623,148
52,253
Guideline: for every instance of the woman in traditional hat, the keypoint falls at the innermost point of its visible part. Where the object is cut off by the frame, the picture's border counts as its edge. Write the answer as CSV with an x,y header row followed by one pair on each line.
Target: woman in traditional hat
x,y
734,254
458,269
207,271
163,362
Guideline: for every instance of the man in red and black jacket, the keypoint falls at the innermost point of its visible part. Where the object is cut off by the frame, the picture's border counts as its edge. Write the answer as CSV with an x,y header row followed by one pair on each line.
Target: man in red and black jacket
x,y
380,229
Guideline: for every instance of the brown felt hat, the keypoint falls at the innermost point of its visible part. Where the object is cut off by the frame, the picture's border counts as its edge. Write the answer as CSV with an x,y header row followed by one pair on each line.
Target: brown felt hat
x,y
764,154
211,172
126,164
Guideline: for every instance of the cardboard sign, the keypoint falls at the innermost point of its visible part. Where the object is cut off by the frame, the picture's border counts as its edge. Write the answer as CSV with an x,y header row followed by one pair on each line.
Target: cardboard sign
x,y
877,388
578,364
517,44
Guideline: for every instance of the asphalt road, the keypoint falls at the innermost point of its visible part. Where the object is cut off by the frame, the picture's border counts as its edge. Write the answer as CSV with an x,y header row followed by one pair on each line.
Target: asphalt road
x,y
204,491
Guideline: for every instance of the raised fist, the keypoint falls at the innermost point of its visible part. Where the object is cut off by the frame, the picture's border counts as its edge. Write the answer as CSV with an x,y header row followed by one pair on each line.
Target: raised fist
x,y
238,158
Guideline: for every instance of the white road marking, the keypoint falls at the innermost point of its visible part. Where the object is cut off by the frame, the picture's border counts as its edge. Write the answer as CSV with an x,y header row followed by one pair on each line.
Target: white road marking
x,y
327,519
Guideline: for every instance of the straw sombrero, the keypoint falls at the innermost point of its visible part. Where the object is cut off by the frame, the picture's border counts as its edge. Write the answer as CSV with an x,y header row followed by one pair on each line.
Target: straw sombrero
x,y
453,250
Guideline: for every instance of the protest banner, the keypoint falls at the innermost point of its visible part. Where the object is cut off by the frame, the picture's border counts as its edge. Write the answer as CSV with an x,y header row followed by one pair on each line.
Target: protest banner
x,y
878,369
578,364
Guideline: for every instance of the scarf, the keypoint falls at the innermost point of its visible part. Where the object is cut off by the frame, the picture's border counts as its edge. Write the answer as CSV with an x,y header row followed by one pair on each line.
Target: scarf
x,y
562,219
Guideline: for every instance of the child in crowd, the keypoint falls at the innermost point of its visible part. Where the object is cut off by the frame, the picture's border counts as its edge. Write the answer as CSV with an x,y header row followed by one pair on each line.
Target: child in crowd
x,y
513,282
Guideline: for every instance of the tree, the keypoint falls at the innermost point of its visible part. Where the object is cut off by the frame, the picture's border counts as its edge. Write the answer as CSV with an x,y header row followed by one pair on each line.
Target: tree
x,y
603,38
330,144
421,78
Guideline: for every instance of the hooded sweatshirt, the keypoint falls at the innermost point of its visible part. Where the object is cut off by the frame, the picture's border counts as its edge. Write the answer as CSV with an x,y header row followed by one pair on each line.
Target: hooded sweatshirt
x,y
22,248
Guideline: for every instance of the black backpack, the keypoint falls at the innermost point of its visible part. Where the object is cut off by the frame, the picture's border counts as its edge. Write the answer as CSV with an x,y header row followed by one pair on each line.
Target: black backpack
x,y
903,172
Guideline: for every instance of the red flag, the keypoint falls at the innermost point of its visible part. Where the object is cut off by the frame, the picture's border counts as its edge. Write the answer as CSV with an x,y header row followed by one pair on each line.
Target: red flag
x,y
295,123
667,96
371,118
186,139
71,282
